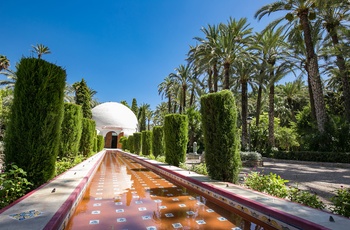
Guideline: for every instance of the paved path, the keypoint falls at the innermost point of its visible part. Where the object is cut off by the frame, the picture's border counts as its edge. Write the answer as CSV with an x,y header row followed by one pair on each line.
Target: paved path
x,y
321,178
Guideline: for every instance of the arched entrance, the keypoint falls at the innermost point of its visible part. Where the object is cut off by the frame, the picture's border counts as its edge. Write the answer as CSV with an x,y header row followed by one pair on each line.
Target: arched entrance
x,y
111,140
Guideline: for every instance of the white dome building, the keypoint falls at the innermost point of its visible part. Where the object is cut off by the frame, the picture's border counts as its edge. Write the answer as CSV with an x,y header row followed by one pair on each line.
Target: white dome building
x,y
114,120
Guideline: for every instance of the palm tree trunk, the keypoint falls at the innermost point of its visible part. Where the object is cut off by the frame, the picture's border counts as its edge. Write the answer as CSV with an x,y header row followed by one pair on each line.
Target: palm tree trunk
x,y
344,76
227,75
215,77
192,96
315,80
210,80
258,102
169,104
272,115
311,95
184,89
244,113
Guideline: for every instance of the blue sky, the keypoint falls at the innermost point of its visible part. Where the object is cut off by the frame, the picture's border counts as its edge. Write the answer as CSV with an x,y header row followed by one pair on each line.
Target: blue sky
x,y
122,48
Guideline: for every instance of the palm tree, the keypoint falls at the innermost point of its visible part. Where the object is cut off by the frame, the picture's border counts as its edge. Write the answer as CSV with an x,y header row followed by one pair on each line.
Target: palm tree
x,y
244,69
293,95
334,15
183,76
40,49
4,62
300,12
204,56
159,113
233,37
142,116
164,89
11,79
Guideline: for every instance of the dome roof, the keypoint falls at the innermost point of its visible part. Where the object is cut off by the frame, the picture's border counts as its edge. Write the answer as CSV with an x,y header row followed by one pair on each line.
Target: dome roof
x,y
113,116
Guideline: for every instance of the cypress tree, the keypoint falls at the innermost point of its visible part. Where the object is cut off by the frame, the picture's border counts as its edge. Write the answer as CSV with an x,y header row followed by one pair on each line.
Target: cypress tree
x,y
87,137
134,107
146,142
33,134
100,143
221,140
175,138
131,143
137,143
71,130
83,97
157,141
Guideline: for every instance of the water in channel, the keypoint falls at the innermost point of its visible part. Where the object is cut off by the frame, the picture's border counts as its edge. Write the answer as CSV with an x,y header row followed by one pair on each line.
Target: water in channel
x,y
123,194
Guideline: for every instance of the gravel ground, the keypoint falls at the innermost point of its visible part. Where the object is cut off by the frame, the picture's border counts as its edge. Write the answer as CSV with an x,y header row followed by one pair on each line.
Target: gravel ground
x,y
321,178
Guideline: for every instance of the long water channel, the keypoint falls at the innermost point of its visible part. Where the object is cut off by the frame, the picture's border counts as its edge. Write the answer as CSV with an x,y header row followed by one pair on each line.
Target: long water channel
x,y
123,194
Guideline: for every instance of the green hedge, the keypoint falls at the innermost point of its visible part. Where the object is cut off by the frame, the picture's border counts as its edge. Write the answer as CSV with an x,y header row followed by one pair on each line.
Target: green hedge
x,y
131,143
71,130
124,141
87,137
100,143
137,143
175,138
221,139
33,134
146,137
332,157
158,141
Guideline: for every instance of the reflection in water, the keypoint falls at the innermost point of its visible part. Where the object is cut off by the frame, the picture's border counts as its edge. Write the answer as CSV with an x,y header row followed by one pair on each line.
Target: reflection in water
x,y
125,195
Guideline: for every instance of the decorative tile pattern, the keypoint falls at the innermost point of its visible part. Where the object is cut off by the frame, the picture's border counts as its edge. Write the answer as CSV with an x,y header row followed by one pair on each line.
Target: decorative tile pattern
x,y
26,215
94,222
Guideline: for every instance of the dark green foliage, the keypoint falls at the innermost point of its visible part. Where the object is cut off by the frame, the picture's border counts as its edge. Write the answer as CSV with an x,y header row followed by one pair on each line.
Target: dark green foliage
x,y
124,141
195,133
313,156
83,98
87,137
14,184
219,119
95,144
175,138
131,143
142,118
336,137
33,134
146,137
71,129
134,106
158,141
100,143
137,143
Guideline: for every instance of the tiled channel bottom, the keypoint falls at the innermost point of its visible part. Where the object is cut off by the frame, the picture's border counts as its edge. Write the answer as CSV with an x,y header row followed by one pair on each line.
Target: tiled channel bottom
x,y
125,195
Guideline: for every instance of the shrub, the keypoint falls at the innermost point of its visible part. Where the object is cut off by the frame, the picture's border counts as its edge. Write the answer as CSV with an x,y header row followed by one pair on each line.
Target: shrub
x,y
157,141
131,143
100,142
13,184
271,184
33,134
341,202
137,143
175,138
87,137
71,130
219,120
305,198
124,141
83,98
66,163
146,137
